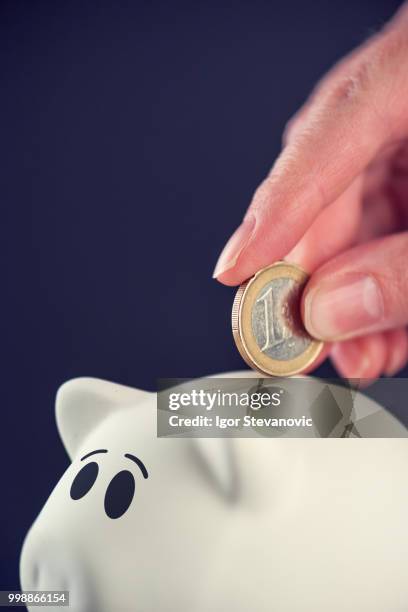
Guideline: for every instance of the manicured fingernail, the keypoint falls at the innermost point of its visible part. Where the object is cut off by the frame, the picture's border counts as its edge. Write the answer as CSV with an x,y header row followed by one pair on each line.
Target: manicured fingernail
x,y
344,307
235,246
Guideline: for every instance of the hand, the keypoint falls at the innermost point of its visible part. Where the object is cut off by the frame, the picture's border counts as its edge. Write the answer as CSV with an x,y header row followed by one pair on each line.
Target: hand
x,y
336,203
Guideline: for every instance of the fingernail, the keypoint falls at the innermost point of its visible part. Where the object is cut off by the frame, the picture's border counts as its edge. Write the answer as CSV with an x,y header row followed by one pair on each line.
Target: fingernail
x,y
394,365
339,309
235,246
396,361
350,360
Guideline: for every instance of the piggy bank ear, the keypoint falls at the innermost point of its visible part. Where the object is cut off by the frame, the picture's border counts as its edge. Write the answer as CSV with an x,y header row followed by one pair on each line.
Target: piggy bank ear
x,y
83,403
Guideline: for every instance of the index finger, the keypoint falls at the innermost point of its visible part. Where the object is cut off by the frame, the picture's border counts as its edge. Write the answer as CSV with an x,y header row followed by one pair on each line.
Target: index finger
x,y
346,125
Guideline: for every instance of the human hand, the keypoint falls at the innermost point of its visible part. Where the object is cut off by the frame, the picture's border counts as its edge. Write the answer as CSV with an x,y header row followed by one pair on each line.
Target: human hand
x,y
336,203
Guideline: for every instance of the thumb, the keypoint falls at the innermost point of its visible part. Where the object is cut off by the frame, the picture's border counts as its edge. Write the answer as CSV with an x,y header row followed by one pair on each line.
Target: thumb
x,y
364,290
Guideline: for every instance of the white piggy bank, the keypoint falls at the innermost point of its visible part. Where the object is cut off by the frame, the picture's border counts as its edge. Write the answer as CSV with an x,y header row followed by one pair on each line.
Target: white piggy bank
x,y
141,524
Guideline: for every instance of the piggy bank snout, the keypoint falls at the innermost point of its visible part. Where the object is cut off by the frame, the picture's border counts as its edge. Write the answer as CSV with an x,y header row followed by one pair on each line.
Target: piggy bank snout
x,y
47,565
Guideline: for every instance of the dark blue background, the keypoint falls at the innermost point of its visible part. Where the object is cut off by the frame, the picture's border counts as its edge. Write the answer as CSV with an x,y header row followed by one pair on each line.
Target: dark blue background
x,y
132,137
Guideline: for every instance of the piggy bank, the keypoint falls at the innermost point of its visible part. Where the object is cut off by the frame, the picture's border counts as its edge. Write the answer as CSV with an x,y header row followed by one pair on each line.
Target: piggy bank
x,y
144,524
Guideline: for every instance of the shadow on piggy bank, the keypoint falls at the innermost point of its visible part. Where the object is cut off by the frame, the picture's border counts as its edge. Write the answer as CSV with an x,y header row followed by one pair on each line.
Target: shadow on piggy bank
x,y
136,524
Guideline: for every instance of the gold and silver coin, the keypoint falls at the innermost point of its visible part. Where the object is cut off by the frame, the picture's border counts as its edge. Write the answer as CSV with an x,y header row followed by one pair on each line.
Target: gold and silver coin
x,y
267,325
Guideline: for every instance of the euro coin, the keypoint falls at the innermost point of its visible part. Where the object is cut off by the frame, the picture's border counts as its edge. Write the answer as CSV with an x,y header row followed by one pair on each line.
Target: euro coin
x,y
267,324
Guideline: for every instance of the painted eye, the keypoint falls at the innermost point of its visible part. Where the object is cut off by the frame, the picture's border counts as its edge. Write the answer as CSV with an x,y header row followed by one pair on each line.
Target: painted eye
x,y
84,480
119,494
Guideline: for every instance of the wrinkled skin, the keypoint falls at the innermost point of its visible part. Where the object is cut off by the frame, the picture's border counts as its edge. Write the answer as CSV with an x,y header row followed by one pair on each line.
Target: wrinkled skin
x,y
336,203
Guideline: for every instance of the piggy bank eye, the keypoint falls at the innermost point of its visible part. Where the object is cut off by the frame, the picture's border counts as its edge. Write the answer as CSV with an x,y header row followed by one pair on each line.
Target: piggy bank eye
x,y
84,480
119,494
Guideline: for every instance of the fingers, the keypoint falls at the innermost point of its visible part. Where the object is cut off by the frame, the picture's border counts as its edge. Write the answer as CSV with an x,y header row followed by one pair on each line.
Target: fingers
x,y
323,240
371,356
347,124
360,358
397,354
384,195
361,291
